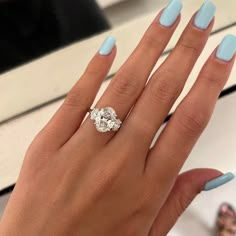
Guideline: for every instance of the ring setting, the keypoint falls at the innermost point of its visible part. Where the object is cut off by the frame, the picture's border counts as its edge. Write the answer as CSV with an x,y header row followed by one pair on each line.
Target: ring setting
x,y
105,119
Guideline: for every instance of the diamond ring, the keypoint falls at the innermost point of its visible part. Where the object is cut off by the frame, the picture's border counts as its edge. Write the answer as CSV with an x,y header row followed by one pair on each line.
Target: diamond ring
x,y
105,119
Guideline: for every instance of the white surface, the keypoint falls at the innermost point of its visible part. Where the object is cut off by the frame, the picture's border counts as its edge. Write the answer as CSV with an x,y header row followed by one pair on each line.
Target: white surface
x,y
107,3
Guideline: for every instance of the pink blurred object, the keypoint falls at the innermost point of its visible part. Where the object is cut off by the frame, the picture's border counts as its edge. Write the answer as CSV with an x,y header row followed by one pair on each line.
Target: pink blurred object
x,y
226,221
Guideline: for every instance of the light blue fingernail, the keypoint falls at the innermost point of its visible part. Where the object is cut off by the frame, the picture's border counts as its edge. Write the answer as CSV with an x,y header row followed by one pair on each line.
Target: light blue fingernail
x,y
171,13
205,15
215,183
227,48
107,46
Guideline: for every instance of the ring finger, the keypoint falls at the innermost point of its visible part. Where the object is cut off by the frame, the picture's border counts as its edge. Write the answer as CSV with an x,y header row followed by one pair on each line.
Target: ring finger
x,y
129,82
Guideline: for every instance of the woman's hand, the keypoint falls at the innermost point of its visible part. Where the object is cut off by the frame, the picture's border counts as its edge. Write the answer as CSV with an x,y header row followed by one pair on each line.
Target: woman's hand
x,y
77,181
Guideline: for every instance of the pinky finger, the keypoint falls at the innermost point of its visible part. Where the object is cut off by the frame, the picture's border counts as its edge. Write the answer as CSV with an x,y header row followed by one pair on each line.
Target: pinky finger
x,y
70,115
192,115
187,186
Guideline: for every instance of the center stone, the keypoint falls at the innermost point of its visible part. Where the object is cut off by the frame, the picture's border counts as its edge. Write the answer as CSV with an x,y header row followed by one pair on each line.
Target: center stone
x,y
108,113
105,119
102,126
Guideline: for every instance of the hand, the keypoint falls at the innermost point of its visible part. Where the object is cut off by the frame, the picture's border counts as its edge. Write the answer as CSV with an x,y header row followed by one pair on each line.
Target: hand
x,y
77,181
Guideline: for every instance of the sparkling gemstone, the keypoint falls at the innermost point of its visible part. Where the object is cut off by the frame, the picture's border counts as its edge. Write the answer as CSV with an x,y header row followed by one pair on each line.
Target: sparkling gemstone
x,y
119,122
101,112
94,114
105,119
111,111
97,120
102,126
117,125
107,116
110,124
108,113
103,123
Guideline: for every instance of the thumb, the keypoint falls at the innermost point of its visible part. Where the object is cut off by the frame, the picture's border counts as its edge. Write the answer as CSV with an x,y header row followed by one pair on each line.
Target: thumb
x,y
187,186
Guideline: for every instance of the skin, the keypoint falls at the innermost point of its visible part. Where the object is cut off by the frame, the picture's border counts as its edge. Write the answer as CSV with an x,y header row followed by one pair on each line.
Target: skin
x,y
76,181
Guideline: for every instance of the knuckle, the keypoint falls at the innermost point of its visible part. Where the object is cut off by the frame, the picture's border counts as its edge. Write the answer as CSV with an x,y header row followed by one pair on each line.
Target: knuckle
x,y
77,98
96,66
179,208
125,86
166,87
191,120
151,41
191,45
92,70
213,80
95,69
182,202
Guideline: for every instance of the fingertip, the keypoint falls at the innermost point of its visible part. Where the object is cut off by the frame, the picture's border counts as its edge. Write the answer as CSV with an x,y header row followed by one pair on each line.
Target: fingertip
x,y
227,48
170,14
218,181
218,64
173,26
207,30
204,15
197,178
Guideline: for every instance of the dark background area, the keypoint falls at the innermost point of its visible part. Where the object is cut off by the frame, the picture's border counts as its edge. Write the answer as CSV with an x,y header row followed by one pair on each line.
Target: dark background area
x,y
32,28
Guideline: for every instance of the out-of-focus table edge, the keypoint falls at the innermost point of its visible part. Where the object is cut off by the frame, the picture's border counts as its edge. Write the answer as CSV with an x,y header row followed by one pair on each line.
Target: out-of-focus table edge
x,y
108,3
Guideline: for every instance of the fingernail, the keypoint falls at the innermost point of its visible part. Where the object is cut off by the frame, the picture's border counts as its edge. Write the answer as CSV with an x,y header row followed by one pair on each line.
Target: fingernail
x,y
171,13
205,15
107,46
215,183
227,48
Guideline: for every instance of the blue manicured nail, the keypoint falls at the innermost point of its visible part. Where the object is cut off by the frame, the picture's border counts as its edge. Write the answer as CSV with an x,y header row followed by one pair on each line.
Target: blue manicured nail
x,y
171,13
227,48
215,183
205,15
107,46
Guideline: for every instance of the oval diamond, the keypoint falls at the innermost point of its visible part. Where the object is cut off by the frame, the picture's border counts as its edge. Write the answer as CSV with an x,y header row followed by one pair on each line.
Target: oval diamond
x,y
105,119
